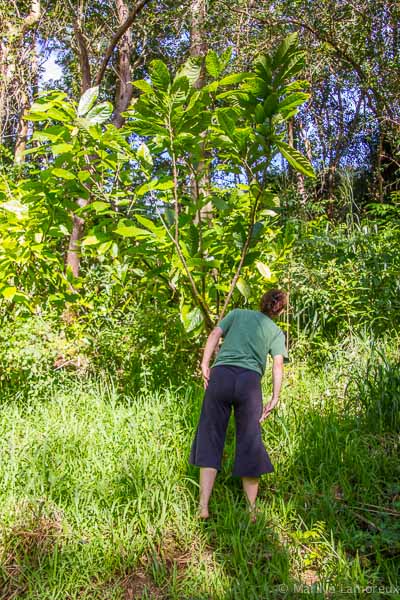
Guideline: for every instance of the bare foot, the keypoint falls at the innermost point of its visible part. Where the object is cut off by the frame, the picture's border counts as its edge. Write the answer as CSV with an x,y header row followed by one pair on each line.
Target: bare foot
x,y
253,512
203,511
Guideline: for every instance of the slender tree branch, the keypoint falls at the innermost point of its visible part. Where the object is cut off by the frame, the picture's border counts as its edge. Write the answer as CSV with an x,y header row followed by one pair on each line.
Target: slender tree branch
x,y
117,36
196,295
340,53
243,256
175,239
83,58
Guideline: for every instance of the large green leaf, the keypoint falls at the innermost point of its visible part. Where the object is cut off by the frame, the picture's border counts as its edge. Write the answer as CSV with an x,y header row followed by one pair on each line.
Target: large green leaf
x,y
58,115
219,203
235,78
226,57
180,90
298,85
190,69
299,162
99,207
289,43
293,100
243,287
226,120
63,173
44,136
37,116
61,148
263,68
95,237
144,155
143,85
191,319
145,187
259,114
126,228
294,66
41,107
159,74
270,105
264,269
9,292
90,240
87,101
148,223
213,64
99,113
164,183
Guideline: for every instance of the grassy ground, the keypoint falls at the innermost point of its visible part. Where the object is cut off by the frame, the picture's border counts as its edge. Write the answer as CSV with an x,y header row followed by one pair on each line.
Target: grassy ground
x,y
97,499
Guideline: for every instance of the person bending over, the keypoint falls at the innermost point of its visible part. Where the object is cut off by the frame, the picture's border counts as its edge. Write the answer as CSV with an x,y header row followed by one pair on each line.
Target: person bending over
x,y
235,381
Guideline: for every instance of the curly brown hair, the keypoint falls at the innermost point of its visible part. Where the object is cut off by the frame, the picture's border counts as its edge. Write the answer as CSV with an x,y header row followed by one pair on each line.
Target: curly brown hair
x,y
273,302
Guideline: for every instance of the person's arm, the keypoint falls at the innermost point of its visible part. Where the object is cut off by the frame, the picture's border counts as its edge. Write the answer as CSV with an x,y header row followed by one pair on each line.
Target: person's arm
x,y
277,376
211,344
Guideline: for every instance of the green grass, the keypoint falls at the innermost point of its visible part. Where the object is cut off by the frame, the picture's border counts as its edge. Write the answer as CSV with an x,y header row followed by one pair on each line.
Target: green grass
x,y
97,499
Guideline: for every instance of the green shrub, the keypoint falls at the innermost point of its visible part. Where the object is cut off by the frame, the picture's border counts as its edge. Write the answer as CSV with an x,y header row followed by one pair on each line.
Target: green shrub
x,y
345,279
373,392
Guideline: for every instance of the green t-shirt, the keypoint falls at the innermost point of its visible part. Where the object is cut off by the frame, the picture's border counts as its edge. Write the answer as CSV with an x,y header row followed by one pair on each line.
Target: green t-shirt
x,y
249,336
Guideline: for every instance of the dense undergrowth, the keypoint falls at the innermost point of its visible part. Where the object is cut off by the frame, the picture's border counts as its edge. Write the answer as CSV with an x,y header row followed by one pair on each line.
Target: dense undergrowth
x,y
97,417
98,499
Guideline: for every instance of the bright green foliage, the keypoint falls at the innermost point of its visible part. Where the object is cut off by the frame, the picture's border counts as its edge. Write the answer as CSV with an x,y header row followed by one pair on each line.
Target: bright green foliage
x,y
76,159
373,392
250,123
31,226
147,204
235,124
344,279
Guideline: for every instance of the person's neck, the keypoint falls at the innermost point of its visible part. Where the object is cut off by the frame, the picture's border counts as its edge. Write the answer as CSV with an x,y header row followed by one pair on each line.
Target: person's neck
x,y
267,315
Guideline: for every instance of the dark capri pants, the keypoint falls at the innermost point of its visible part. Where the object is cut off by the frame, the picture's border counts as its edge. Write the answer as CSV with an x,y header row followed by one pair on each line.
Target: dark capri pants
x,y
241,388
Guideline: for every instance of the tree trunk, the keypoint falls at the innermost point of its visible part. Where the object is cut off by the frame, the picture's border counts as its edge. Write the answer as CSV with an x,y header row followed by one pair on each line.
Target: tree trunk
x,y
23,126
123,96
28,23
4,82
200,179
124,89
198,42
18,71
198,49
73,258
73,255
22,131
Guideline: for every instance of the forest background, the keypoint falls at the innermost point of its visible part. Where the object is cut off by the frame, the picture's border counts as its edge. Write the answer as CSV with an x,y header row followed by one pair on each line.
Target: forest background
x,y
189,157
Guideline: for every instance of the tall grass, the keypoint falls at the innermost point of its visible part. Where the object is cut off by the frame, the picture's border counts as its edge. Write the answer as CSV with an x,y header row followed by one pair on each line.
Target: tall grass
x,y
98,501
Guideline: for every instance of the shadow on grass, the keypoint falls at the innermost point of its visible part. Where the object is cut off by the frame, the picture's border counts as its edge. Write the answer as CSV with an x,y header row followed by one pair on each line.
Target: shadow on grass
x,y
330,513
330,471
343,479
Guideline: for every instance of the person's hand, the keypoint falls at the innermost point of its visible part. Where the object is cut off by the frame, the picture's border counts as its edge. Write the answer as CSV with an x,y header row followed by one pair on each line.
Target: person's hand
x,y
205,371
268,408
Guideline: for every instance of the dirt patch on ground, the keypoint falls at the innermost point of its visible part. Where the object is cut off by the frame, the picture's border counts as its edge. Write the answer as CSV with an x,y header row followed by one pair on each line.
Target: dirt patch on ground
x,y
169,557
171,553
137,584
309,577
33,534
